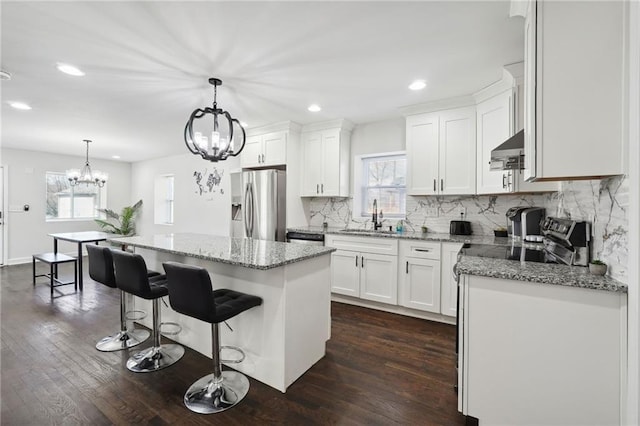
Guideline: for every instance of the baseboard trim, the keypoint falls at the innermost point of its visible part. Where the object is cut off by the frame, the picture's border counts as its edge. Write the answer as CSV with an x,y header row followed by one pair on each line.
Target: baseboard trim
x,y
394,309
28,259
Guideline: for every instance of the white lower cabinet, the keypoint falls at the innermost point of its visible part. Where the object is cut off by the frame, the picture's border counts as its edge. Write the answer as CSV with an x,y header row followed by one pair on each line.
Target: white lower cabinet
x,y
448,284
412,274
366,268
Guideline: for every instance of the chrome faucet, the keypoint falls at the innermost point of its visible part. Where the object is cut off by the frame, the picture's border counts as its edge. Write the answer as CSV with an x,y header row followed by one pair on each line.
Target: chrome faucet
x,y
376,225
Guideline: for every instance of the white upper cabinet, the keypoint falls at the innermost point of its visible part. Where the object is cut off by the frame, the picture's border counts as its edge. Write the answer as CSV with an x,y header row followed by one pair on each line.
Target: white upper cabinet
x,y
574,89
325,157
263,150
494,126
441,152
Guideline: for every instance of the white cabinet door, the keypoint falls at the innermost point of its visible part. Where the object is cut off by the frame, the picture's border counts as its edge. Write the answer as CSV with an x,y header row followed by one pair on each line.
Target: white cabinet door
x,y
422,154
530,92
274,146
494,120
345,273
312,164
448,285
330,183
457,165
420,284
379,278
251,155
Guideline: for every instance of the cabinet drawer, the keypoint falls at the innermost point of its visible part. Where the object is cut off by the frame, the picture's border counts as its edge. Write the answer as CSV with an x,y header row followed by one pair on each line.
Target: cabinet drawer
x,y
420,249
363,244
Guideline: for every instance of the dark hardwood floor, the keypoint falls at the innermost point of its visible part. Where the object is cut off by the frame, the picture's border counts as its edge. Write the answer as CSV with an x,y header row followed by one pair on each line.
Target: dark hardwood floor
x,y
379,369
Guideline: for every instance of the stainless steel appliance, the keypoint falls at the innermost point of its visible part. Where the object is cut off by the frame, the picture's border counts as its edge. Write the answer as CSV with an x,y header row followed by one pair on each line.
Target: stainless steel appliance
x,y
523,223
264,204
309,238
567,241
510,154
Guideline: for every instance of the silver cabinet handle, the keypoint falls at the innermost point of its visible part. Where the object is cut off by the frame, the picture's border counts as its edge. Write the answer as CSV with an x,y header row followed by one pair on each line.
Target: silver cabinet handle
x,y
317,188
423,250
356,261
434,186
407,266
441,184
258,158
362,262
246,211
262,158
322,188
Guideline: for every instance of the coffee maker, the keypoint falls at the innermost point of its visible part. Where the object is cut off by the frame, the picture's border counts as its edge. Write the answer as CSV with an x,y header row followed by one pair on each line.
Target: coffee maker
x,y
523,223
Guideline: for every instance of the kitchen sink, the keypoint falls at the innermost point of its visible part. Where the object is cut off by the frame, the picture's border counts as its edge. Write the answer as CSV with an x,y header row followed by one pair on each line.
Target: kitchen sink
x,y
367,231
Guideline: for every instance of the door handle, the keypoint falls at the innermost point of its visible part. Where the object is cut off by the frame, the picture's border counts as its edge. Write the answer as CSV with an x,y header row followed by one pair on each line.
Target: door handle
x,y
322,188
356,261
423,250
317,188
504,181
407,266
441,184
262,158
434,186
362,262
246,211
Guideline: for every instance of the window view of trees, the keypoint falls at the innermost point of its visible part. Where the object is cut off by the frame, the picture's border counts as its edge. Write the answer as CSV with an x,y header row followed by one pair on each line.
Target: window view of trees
x,y
385,181
67,202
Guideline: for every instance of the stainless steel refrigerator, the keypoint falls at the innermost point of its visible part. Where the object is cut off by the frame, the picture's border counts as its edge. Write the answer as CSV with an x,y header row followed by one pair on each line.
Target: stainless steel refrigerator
x,y
264,204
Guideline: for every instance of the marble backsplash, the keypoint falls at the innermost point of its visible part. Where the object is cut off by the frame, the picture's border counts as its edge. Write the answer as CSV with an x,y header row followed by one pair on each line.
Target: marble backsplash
x,y
602,202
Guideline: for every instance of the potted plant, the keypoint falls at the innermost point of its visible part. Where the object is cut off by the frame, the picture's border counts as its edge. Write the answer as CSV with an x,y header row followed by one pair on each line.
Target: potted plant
x,y
125,225
597,267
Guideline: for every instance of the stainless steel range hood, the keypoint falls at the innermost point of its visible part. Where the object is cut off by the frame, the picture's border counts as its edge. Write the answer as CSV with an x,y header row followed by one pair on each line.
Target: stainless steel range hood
x,y
510,154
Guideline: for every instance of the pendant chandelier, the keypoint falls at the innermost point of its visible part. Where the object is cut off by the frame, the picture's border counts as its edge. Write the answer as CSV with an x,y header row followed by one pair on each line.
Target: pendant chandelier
x,y
216,139
85,175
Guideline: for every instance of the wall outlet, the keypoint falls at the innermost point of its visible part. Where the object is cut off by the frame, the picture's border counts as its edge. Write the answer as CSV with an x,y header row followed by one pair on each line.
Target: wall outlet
x,y
432,212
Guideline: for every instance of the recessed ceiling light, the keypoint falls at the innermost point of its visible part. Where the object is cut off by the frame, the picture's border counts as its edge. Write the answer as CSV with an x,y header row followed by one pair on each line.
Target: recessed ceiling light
x,y
115,157
314,108
20,105
70,69
418,85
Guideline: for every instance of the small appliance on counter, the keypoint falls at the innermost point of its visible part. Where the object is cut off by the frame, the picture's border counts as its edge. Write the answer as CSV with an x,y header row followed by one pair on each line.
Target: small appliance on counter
x,y
460,227
567,241
523,223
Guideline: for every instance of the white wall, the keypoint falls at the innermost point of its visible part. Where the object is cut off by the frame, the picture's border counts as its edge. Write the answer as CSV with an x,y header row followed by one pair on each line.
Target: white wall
x,y
27,232
206,213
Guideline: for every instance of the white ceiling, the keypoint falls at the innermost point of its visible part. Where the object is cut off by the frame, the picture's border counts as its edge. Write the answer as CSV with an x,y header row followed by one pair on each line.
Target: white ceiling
x,y
147,65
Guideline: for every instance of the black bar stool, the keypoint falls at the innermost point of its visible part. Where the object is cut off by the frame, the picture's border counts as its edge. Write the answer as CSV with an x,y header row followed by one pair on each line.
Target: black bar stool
x,y
101,270
131,276
191,293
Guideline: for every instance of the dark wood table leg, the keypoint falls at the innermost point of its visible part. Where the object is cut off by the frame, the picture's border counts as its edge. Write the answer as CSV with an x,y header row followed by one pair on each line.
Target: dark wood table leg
x,y
33,259
79,276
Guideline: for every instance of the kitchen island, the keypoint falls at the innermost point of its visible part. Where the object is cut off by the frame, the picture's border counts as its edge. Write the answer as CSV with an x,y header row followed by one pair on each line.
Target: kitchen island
x,y
284,336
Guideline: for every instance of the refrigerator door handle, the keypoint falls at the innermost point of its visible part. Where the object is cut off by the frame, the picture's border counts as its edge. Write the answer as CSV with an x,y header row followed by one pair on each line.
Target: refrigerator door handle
x,y
246,210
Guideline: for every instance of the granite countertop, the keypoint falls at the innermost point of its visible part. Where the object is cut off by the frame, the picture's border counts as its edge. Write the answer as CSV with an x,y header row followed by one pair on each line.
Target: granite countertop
x,y
428,236
543,273
255,254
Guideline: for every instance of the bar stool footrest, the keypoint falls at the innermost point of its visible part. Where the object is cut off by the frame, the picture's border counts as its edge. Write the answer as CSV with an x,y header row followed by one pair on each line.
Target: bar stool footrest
x,y
173,328
232,361
135,315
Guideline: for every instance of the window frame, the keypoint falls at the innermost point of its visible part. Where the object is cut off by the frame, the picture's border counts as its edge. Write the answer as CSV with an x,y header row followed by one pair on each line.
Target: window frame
x,y
164,203
359,188
101,202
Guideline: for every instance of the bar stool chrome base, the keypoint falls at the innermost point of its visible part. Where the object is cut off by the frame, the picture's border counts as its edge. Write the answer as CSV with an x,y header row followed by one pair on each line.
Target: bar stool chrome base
x,y
155,358
207,397
122,340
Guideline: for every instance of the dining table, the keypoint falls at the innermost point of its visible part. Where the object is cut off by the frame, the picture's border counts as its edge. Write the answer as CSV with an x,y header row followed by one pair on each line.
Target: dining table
x,y
79,238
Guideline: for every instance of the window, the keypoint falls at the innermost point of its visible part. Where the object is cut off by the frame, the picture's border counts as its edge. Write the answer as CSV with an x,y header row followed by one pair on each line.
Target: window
x,y
383,179
163,201
72,202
